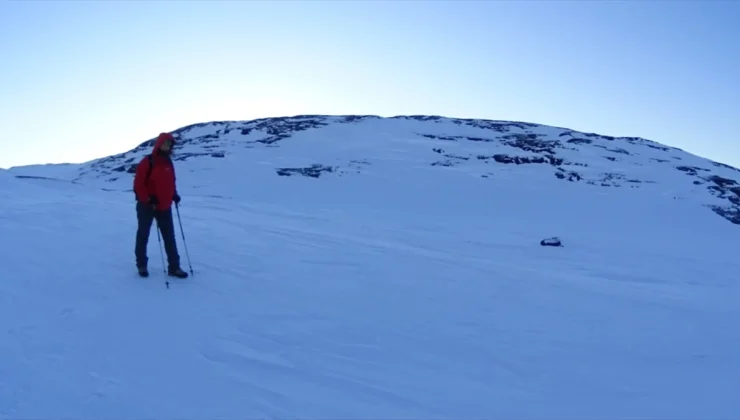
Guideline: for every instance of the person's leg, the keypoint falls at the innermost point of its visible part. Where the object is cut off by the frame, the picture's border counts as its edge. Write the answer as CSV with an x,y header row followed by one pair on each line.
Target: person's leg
x,y
144,216
167,227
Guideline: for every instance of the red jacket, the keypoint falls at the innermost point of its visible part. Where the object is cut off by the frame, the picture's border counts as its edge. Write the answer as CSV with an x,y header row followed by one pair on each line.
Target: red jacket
x,y
161,179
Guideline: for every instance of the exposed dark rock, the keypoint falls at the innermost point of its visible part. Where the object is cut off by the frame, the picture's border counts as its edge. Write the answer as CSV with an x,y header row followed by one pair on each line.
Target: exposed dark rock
x,y
147,144
313,171
451,156
273,139
722,165
436,137
530,143
208,138
608,179
725,189
569,175
620,151
418,117
554,241
357,118
722,182
691,170
617,150
498,126
653,146
281,128
730,213
456,138
519,160
457,157
187,128
649,143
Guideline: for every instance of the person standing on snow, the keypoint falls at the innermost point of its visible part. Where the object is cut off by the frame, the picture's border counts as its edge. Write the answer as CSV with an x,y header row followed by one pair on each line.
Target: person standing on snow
x,y
155,188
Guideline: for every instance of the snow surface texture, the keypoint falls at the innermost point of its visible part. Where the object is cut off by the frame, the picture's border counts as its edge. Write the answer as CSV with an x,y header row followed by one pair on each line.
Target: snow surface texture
x,y
406,282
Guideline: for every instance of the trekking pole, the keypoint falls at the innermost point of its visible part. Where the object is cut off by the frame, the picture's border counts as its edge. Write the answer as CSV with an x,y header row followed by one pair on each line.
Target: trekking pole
x,y
161,255
177,207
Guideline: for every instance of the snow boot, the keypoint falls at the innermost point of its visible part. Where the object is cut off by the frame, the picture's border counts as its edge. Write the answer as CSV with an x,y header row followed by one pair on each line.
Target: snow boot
x,y
143,272
177,272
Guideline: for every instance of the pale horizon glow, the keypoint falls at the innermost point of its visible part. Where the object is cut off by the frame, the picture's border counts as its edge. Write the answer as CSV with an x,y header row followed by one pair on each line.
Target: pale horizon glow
x,y
84,80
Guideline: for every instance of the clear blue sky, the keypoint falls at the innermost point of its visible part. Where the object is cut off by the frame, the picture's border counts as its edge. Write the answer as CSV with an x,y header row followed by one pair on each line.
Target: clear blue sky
x,y
85,79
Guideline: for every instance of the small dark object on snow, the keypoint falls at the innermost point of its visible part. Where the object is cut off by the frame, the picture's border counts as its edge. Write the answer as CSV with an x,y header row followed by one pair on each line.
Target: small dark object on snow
x,y
555,241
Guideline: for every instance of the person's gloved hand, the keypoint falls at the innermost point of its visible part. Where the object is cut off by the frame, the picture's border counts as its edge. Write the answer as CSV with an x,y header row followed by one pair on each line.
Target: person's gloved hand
x,y
176,198
153,201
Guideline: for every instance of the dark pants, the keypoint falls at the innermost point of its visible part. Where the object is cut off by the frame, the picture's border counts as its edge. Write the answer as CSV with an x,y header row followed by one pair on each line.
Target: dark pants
x,y
146,215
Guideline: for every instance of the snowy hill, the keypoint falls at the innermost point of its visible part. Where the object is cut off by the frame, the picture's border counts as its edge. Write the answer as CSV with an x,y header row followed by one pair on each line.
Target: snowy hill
x,y
360,146
362,267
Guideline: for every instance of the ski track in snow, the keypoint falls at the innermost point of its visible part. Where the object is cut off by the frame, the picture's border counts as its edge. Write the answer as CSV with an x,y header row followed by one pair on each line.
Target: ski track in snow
x,y
421,298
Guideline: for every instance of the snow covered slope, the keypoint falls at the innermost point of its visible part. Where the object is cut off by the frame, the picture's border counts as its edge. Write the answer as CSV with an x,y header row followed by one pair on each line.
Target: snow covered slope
x,y
387,287
369,146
